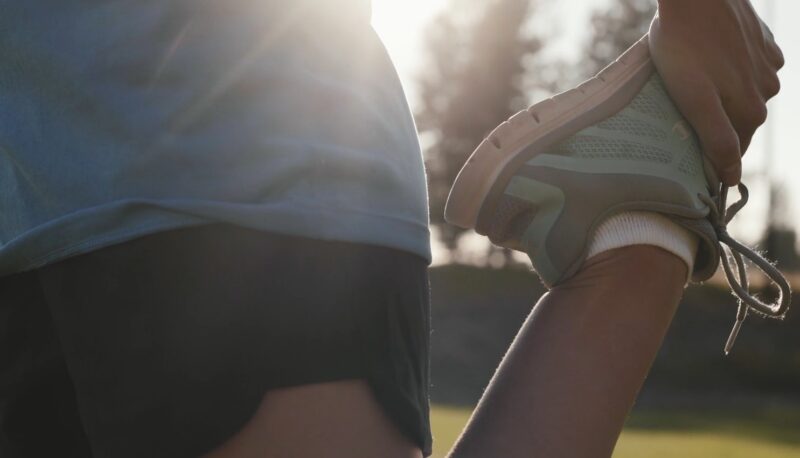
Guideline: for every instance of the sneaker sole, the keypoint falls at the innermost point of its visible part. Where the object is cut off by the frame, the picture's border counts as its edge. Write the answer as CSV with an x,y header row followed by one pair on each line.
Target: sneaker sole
x,y
532,131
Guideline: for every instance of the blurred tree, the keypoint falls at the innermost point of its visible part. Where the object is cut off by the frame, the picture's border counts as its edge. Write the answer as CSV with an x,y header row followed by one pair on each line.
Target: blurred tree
x,y
779,243
614,29
477,58
779,240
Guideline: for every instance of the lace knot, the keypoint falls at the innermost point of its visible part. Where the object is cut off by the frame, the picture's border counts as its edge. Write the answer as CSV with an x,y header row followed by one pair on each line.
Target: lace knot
x,y
734,251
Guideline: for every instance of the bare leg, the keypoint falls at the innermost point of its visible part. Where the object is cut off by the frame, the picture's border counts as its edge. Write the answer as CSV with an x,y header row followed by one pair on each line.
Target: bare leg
x,y
573,372
338,419
563,390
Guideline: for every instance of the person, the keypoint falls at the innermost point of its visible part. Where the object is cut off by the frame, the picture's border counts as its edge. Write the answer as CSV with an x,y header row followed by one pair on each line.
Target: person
x,y
214,238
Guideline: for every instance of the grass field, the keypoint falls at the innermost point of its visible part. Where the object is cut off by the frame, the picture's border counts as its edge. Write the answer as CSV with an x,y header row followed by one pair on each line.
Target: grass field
x,y
680,434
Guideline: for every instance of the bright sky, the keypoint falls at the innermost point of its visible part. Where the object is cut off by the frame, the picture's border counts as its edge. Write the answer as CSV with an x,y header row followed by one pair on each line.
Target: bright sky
x,y
401,23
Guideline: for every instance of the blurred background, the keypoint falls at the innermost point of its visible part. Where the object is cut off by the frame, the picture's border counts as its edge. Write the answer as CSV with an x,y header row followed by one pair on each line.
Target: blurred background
x,y
469,64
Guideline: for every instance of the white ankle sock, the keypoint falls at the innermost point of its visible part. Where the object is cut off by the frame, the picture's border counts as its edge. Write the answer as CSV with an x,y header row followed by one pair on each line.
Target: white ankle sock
x,y
645,228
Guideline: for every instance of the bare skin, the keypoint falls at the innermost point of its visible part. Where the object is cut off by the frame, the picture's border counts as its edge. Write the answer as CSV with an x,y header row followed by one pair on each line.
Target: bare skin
x,y
332,420
720,63
564,388
575,369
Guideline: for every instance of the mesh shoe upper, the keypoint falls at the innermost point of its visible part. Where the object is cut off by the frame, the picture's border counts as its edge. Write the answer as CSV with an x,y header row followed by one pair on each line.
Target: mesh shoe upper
x,y
645,157
543,182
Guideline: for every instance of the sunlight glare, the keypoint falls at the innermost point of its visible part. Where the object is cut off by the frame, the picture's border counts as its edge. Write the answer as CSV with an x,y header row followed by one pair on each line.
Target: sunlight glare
x,y
401,26
403,18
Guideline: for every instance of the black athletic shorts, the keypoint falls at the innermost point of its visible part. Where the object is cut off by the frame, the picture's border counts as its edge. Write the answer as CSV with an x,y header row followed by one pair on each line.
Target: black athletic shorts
x,y
163,346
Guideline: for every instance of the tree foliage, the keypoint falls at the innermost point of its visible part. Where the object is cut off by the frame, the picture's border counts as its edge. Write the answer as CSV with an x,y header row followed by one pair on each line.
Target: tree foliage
x,y
614,29
779,240
483,64
472,83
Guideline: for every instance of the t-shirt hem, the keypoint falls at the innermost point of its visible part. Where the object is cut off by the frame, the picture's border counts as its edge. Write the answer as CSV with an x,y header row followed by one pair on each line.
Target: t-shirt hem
x,y
91,229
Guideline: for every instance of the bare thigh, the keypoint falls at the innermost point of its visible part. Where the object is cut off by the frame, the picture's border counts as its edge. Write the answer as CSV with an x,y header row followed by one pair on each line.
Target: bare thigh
x,y
336,419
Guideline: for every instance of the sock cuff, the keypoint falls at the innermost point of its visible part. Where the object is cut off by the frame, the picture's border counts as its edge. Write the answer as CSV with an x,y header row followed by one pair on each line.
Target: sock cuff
x,y
645,228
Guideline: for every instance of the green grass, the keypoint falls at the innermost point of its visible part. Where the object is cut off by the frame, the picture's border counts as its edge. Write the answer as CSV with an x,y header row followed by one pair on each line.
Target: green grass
x,y
676,434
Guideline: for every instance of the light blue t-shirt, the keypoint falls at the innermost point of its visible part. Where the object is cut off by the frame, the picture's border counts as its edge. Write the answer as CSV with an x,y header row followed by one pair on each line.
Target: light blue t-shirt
x,y
128,117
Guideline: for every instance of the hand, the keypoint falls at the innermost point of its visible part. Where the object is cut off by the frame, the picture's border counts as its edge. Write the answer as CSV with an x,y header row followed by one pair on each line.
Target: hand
x,y
720,64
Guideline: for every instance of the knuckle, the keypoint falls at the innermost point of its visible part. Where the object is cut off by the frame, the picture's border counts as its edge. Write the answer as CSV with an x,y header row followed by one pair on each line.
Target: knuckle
x,y
750,112
757,115
772,85
780,60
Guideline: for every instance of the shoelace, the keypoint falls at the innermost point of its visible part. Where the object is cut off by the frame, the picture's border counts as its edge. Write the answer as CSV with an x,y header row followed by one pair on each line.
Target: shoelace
x,y
735,251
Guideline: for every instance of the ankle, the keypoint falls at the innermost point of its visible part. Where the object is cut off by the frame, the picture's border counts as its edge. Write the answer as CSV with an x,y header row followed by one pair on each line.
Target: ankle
x,y
631,266
645,228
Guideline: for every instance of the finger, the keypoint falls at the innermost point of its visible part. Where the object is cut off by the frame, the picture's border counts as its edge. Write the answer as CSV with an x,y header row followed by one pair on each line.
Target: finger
x,y
774,52
746,114
721,142
703,108
744,142
776,55
770,84
761,76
